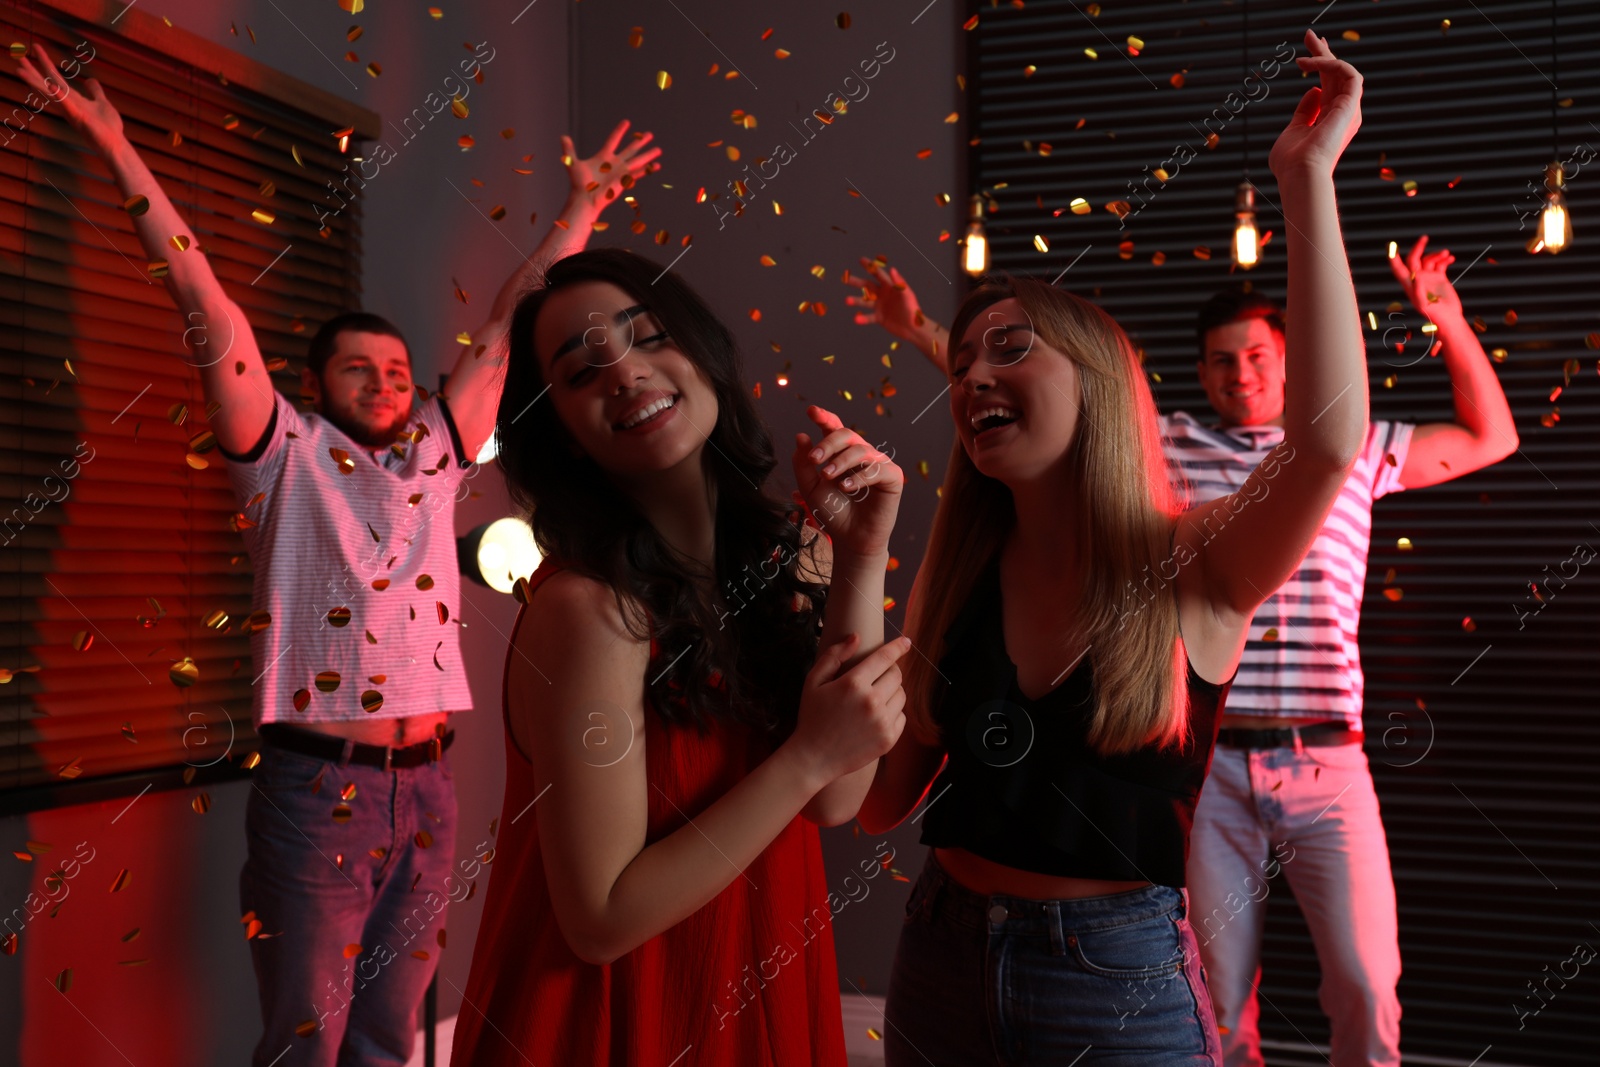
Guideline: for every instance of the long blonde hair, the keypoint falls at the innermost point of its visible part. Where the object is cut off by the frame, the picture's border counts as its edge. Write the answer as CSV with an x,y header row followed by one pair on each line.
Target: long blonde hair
x,y
1122,522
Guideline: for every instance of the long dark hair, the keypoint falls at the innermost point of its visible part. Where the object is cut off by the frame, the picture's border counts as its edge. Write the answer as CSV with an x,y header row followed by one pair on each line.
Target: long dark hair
x,y
747,658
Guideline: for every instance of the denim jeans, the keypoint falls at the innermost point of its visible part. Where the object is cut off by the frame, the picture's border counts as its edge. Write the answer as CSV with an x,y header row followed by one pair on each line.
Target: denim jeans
x,y
1314,816
1013,982
349,890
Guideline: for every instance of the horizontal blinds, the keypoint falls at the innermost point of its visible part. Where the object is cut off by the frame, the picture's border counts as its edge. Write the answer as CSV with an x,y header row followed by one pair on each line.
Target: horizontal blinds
x,y
117,558
1482,720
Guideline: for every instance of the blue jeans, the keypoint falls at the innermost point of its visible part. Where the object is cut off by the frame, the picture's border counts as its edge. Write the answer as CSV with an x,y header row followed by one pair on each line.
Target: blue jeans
x,y
1014,982
351,904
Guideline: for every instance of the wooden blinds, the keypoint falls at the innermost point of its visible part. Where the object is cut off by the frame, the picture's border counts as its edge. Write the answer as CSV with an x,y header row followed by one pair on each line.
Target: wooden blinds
x,y
123,583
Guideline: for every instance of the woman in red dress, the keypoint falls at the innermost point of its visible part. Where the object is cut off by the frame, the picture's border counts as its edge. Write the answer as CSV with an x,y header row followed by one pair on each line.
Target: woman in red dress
x,y
673,735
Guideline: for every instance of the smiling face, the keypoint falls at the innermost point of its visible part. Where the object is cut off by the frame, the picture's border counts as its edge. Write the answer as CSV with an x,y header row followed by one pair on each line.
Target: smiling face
x,y
365,388
1243,373
1014,398
629,398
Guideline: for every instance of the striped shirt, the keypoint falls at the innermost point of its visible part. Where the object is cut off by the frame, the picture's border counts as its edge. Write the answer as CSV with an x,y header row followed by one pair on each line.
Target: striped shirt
x,y
371,534
1301,659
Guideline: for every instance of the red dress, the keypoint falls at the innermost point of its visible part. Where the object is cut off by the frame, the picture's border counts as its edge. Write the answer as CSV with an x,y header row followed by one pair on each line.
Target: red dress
x,y
749,980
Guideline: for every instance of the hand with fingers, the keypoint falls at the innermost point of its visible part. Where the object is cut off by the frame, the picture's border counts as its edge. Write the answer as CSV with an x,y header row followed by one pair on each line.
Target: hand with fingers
x,y
601,178
891,304
88,110
850,718
1326,119
852,488
1423,279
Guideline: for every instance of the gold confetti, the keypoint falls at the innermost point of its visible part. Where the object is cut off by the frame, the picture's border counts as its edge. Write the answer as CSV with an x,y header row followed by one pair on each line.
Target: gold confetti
x,y
1394,594
373,69
120,882
1040,243
424,839
1202,252
371,701
435,13
458,107
309,1027
341,813
184,673
201,804
342,460
1351,35
339,616
1091,53
136,205
663,80
302,697
1080,206
842,20
157,268
327,681
424,582
64,980
1403,544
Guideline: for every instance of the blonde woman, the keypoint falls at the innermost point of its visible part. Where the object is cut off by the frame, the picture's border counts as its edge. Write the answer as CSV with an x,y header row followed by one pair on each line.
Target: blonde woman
x,y
1078,633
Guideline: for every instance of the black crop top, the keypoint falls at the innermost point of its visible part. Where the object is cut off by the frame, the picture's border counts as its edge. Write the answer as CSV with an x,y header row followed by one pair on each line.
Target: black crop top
x,y
1023,788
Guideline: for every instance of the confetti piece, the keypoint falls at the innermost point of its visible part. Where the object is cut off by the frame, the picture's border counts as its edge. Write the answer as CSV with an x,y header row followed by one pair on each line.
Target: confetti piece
x,y
424,582
1202,252
201,804
302,697
1351,35
1040,243
327,681
120,882
1468,625
136,205
663,80
373,70
842,20
768,261
458,107
309,1027
64,980
1271,634
184,673
1091,53
1404,544
1394,594
970,24
341,813
424,839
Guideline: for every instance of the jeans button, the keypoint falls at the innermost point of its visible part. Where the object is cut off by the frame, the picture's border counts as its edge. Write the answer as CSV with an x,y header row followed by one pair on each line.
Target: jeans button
x,y
997,913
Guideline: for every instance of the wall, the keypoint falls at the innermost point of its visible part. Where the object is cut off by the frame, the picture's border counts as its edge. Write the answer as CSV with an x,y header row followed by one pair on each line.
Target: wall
x,y
193,1002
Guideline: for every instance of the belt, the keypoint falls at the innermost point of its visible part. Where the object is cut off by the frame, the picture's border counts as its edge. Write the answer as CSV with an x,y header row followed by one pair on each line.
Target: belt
x,y
1320,733
340,750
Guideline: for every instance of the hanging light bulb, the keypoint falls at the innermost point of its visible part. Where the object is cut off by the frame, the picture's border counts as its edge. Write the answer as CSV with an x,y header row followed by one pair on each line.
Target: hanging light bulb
x,y
1246,242
977,255
1555,225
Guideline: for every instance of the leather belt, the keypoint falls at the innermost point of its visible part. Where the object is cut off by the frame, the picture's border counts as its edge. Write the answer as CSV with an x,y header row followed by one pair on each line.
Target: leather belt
x,y
1320,733
340,750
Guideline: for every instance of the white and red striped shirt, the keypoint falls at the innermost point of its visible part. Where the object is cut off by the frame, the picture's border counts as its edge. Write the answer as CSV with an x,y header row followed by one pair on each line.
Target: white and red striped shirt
x,y
330,528
1301,659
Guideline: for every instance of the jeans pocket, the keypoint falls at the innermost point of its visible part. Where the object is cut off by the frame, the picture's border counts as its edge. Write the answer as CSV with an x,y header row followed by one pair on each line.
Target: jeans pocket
x,y
1149,948
1351,757
282,771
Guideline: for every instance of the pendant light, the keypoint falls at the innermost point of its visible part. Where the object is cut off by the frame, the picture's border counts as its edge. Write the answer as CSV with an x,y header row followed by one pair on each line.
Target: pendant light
x,y
1246,238
976,258
1555,225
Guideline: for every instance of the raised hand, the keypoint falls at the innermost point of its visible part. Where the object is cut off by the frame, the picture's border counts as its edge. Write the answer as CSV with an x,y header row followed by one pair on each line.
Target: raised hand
x,y
852,489
1328,116
89,112
893,305
1423,279
599,180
